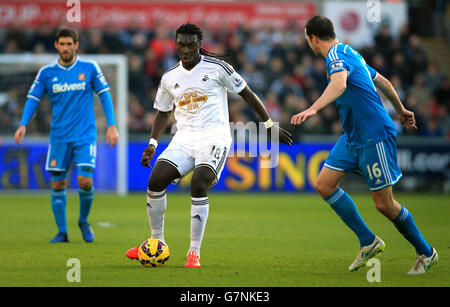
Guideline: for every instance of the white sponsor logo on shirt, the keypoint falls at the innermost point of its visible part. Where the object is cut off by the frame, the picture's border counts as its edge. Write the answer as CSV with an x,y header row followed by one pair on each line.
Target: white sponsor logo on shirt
x,y
58,87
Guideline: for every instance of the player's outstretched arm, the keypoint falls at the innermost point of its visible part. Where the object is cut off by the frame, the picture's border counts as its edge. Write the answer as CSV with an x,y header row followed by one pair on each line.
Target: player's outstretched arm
x,y
405,116
255,103
336,87
159,126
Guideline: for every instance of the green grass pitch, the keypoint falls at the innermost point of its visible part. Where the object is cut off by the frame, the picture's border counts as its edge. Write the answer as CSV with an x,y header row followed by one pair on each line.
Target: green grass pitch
x,y
251,240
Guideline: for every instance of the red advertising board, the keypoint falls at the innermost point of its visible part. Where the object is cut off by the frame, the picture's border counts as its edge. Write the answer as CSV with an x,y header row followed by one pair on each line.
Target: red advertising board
x,y
146,14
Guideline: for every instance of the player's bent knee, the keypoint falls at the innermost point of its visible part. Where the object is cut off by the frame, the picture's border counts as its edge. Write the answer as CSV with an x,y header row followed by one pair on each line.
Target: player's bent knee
x,y
162,175
157,183
381,206
200,188
201,183
59,184
322,188
85,183
155,186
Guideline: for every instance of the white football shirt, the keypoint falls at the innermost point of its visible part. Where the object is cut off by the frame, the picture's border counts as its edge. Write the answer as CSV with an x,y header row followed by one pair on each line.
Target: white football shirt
x,y
199,96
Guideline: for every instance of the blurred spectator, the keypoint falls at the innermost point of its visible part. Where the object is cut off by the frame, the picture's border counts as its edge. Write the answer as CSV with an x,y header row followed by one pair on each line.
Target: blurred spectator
x,y
433,77
383,40
95,44
254,78
112,39
235,47
9,110
329,115
136,116
442,94
420,91
398,86
43,39
16,39
274,109
255,46
137,80
162,45
285,86
138,43
439,19
319,74
416,56
274,71
400,68
379,64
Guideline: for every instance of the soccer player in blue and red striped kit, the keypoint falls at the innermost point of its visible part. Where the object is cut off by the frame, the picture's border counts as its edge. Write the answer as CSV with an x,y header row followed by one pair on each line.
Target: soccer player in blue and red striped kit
x,y
70,82
368,145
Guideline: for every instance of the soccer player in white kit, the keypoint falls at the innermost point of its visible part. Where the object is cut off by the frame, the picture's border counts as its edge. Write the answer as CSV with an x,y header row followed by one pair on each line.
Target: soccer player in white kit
x,y
196,89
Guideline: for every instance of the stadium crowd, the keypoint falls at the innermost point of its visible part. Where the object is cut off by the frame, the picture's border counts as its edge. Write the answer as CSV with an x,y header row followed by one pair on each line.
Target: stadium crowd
x,y
277,64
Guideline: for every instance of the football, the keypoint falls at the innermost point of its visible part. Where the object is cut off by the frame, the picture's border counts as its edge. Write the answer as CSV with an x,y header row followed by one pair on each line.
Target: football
x,y
153,253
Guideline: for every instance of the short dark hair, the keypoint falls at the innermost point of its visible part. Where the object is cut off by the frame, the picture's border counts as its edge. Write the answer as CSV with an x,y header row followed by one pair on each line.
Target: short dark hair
x,y
320,26
66,32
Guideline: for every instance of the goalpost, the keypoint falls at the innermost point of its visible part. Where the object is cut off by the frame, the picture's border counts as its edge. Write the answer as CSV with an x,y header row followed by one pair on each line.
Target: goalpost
x,y
19,70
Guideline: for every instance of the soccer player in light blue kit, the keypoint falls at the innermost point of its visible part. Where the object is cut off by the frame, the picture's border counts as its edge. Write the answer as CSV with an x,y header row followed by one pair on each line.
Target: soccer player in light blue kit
x,y
70,82
368,145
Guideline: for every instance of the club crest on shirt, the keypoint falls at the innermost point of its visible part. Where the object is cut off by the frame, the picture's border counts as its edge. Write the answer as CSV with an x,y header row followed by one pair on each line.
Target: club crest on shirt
x,y
53,163
205,79
81,76
192,100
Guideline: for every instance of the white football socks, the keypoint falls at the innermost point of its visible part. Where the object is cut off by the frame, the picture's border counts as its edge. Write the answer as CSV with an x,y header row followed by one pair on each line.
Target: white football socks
x,y
199,216
156,207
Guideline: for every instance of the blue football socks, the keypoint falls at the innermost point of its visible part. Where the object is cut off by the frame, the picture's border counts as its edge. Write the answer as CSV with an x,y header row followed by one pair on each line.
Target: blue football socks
x,y
344,206
404,222
59,201
86,198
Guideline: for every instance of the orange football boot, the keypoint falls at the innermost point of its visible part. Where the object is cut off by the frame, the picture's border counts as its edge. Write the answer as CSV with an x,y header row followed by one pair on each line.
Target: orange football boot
x,y
133,252
193,260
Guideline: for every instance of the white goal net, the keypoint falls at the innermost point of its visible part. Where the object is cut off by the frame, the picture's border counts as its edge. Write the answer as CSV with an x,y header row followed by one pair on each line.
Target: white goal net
x,y
23,167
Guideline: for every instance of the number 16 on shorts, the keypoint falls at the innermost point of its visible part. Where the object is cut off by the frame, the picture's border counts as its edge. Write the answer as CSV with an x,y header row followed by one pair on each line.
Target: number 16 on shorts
x,y
380,167
374,176
374,171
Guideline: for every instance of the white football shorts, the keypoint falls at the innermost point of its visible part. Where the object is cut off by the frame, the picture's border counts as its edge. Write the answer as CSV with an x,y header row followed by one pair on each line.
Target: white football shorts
x,y
185,158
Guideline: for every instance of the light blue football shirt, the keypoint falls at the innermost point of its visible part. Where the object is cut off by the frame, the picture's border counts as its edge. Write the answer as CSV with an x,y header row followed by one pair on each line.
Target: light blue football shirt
x,y
71,94
364,119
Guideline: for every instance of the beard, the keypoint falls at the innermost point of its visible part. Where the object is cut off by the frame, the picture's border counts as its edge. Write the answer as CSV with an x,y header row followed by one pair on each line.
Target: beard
x,y
67,57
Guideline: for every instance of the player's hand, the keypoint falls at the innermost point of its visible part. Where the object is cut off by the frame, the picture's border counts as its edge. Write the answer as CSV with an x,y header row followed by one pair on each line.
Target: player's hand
x,y
407,119
112,136
283,135
299,118
147,155
20,133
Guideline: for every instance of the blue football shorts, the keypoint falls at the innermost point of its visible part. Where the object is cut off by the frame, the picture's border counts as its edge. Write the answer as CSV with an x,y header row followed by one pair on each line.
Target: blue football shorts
x,y
376,163
61,155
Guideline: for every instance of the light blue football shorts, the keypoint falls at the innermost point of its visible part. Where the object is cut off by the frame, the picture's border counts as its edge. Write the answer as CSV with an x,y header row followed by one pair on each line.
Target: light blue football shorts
x,y
376,163
61,155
